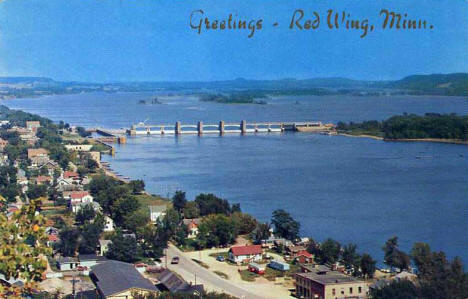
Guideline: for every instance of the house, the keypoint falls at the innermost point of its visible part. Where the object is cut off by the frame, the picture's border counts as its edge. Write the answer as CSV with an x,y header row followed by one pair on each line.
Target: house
x,y
246,253
104,246
33,126
67,263
114,279
37,152
80,197
325,284
70,175
304,257
108,224
272,241
43,180
77,206
50,165
192,227
64,186
168,281
89,260
3,143
293,250
157,212
79,147
52,239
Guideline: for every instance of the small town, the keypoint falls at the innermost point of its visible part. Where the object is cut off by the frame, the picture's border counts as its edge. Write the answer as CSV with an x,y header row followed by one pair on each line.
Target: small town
x,y
86,232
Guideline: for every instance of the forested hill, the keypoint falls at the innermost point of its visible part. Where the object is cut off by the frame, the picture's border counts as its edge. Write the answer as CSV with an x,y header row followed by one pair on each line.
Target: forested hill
x,y
450,84
437,84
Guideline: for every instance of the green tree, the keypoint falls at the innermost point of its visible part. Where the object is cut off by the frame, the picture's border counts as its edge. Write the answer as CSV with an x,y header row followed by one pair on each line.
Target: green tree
x,y
244,223
395,257
216,230
22,249
122,208
124,248
329,251
349,255
70,239
137,186
403,289
285,225
367,265
261,232
191,210
85,214
211,204
179,201
90,237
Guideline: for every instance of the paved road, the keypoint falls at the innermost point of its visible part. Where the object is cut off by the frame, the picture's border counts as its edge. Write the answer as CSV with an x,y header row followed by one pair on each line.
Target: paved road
x,y
188,269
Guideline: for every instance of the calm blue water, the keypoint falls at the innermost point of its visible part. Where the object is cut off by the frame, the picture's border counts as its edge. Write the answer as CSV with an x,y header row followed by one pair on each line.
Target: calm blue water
x,y
351,189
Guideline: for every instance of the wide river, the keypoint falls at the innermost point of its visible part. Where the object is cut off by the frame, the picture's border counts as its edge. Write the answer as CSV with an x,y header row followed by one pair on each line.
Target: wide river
x,y
351,189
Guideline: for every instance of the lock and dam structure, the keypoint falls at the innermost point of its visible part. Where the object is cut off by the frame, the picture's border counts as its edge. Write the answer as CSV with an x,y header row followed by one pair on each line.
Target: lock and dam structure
x,y
222,128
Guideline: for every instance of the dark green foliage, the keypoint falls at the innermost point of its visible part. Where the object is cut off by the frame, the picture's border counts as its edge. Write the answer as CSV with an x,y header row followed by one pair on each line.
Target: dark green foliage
x,y
211,204
90,237
216,230
69,241
179,200
285,225
85,214
244,223
124,248
404,289
395,257
330,251
137,186
367,264
82,132
438,277
410,126
123,207
36,191
261,232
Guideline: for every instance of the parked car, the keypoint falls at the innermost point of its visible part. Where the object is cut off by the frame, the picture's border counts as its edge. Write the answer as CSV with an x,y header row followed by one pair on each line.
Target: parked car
x,y
220,258
175,260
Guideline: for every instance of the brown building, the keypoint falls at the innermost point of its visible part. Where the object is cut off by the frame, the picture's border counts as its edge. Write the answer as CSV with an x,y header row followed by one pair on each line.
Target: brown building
x,y
37,152
323,284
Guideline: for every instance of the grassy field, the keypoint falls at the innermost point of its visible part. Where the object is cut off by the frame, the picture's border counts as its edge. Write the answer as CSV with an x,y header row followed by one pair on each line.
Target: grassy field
x,y
247,275
152,200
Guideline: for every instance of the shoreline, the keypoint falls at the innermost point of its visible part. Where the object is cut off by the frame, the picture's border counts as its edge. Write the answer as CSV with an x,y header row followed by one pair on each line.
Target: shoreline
x,y
432,140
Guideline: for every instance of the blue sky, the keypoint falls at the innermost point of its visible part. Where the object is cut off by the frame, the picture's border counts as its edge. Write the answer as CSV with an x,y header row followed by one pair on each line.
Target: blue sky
x,y
120,40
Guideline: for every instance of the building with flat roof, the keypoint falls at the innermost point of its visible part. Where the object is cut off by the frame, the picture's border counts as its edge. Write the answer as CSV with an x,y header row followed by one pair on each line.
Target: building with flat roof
x,y
323,284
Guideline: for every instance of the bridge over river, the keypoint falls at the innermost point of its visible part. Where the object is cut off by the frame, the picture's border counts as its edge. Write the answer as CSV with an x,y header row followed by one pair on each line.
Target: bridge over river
x,y
224,128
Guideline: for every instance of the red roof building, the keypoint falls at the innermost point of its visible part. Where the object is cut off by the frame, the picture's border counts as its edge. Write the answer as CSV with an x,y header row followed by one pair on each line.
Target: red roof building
x,y
70,174
78,194
304,257
239,254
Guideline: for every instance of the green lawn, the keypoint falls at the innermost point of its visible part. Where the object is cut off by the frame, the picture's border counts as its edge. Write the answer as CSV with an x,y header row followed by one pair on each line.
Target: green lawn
x,y
221,274
152,200
247,275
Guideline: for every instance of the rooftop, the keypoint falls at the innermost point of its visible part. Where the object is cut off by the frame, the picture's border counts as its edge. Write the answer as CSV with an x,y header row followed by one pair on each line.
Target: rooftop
x,y
114,277
329,277
247,249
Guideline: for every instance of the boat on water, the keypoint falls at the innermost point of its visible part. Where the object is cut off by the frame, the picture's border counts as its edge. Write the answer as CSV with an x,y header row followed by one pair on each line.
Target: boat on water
x,y
424,157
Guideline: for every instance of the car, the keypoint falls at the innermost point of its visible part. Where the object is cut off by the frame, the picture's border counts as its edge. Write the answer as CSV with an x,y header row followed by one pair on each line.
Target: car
x,y
175,260
220,258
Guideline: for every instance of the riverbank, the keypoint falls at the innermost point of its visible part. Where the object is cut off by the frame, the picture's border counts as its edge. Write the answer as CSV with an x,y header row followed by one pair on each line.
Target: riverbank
x,y
435,140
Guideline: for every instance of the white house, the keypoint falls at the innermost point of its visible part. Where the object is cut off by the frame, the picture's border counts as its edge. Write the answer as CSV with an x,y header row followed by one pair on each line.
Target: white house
x,y
246,253
157,212
108,224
